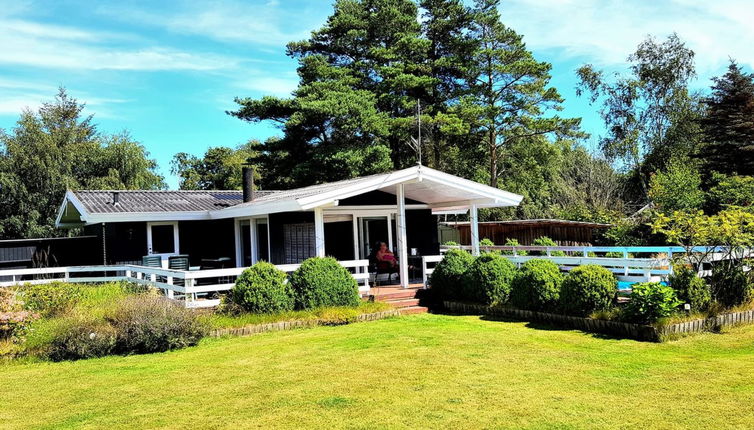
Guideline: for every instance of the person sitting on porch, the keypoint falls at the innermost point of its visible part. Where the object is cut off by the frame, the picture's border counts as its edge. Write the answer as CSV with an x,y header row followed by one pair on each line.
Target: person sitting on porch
x,y
384,255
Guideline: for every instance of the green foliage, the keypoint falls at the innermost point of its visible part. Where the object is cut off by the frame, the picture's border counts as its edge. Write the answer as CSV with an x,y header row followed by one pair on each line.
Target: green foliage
x,y
262,288
451,243
588,289
145,324
447,278
488,279
728,129
690,288
650,109
650,301
323,282
677,188
731,228
219,169
513,242
536,286
50,299
730,192
13,319
546,241
731,285
54,149
486,242
75,338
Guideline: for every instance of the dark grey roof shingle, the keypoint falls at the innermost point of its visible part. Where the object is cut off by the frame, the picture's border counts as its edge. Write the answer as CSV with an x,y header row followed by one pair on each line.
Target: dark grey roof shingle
x,y
101,201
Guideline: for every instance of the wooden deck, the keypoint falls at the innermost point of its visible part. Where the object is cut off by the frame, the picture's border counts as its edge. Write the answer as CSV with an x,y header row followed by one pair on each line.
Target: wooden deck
x,y
404,299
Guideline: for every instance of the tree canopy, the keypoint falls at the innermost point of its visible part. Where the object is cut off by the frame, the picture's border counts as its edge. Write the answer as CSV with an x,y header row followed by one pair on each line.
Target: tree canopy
x,y
58,148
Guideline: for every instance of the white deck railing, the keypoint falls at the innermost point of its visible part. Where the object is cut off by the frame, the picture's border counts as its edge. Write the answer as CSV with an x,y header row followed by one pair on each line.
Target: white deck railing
x,y
177,284
637,263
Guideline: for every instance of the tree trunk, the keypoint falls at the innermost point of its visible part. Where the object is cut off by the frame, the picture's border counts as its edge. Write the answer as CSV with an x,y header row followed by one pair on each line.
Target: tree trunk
x,y
493,157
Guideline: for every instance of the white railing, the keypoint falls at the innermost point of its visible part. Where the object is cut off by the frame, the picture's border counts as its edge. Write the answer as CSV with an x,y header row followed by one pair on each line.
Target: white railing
x,y
187,285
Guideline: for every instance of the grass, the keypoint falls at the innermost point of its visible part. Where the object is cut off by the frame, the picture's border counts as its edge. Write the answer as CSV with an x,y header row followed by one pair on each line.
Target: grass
x,y
337,315
423,371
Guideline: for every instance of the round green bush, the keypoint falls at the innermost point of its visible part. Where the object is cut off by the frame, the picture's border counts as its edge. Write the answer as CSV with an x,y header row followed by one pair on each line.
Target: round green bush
x,y
447,278
488,279
690,288
262,289
513,242
536,286
323,282
587,289
650,301
731,286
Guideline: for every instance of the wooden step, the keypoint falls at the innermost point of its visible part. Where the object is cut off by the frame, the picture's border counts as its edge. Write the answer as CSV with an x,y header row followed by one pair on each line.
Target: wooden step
x,y
413,310
403,303
406,294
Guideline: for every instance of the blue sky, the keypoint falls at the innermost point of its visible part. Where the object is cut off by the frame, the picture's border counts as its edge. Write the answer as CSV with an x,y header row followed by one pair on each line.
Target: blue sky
x,y
167,71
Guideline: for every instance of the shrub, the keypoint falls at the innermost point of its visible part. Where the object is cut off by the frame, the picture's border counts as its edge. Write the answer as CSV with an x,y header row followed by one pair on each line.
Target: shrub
x,y
450,243
323,282
488,279
588,289
513,242
146,324
486,242
650,301
730,284
13,319
546,241
50,299
447,278
690,288
76,339
536,286
262,288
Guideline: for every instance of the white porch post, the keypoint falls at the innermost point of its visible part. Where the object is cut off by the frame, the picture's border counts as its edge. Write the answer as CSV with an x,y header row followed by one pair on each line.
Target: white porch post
x,y
319,232
253,248
474,230
400,226
355,237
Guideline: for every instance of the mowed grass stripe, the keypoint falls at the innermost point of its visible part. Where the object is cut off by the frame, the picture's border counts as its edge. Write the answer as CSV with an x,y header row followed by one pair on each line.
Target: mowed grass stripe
x,y
423,371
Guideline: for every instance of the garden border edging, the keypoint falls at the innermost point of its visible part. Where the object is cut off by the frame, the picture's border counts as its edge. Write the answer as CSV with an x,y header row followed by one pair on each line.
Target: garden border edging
x,y
293,324
629,330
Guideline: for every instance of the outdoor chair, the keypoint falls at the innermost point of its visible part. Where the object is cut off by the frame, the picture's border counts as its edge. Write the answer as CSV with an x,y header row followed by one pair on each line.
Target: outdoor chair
x,y
153,261
378,268
178,262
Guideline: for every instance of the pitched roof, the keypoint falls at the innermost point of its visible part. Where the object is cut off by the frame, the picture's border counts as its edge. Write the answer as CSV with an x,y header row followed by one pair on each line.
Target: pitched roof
x,y
436,190
139,201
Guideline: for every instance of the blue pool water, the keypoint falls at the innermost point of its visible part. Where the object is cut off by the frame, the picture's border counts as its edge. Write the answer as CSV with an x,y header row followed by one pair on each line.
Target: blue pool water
x,y
626,285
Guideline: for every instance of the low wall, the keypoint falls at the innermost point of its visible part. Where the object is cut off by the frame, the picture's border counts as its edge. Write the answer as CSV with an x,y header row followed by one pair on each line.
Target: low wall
x,y
290,325
615,328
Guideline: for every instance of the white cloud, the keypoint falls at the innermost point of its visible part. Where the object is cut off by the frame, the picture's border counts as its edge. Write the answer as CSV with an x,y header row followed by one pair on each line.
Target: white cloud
x,y
265,23
267,85
605,32
29,43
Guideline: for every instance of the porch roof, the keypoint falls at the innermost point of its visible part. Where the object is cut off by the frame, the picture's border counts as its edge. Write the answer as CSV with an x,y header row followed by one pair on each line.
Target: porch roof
x,y
439,191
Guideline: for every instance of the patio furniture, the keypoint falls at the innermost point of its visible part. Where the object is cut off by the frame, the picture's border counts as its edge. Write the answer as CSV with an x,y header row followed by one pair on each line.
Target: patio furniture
x,y
151,261
178,262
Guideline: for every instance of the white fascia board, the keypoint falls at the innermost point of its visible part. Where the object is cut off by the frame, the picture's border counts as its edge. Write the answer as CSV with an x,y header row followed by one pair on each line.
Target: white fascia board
x,y
71,197
362,187
148,216
459,211
466,203
506,198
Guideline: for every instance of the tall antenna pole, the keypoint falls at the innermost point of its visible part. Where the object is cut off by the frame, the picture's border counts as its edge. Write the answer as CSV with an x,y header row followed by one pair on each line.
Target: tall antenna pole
x,y
419,142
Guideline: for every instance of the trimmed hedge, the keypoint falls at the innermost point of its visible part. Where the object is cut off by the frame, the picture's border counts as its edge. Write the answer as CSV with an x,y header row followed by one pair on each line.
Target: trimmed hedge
x,y
263,289
587,289
690,288
488,279
447,278
650,301
323,282
536,286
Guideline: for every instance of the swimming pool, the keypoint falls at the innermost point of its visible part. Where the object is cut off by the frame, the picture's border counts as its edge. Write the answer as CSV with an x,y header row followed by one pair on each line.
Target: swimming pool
x,y
626,285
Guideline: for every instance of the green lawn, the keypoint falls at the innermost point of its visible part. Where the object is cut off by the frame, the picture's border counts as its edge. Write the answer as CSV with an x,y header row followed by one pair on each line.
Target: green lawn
x,y
413,372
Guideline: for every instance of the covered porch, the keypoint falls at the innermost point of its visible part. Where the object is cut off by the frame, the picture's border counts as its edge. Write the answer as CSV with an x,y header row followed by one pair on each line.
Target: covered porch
x,y
347,219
